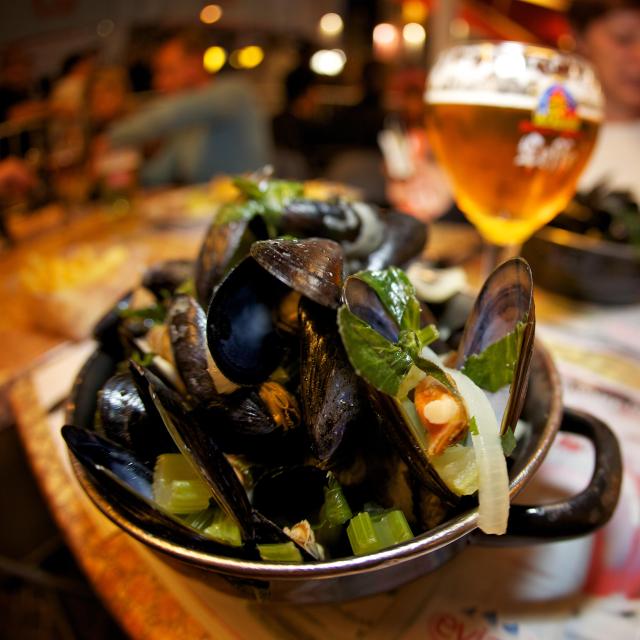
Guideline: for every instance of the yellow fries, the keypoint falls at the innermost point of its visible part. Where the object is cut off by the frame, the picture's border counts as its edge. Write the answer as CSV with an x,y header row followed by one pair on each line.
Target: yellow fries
x,y
79,267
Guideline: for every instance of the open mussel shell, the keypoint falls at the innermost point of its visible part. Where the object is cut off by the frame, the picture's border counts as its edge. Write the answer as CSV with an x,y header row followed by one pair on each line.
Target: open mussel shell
x,y
242,325
336,220
127,484
334,401
313,266
187,323
125,420
504,302
262,423
223,246
201,449
364,302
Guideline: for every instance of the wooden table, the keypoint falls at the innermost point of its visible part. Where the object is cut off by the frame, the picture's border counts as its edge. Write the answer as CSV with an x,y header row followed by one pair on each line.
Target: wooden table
x,y
153,601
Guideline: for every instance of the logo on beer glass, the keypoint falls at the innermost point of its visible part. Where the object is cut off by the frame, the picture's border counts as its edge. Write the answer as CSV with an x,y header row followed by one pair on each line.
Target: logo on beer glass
x,y
549,138
556,110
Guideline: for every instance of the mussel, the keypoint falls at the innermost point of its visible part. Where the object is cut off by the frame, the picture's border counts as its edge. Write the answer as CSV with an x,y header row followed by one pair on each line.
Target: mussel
x,y
243,331
187,324
335,405
422,401
123,418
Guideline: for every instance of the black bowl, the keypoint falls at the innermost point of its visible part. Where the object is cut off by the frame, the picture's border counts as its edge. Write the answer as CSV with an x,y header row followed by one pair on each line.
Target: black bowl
x,y
584,268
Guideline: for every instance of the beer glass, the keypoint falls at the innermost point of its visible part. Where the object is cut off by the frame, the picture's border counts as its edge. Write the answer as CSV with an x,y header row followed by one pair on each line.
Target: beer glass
x,y
512,125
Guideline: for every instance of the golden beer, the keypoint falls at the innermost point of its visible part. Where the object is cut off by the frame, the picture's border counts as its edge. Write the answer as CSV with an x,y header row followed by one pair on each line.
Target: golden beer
x,y
509,176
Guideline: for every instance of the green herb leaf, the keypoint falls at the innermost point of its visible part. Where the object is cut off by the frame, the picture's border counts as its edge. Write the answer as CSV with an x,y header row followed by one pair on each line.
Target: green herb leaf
x,y
156,313
473,426
509,442
239,211
494,367
188,287
380,362
397,295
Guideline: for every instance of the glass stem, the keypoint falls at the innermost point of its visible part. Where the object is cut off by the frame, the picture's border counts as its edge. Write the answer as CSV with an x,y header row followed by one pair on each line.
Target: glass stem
x,y
494,255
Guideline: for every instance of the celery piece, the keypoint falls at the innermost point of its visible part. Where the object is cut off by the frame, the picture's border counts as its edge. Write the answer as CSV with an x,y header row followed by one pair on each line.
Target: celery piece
x,y
362,535
200,520
280,552
369,532
176,487
392,527
224,530
335,509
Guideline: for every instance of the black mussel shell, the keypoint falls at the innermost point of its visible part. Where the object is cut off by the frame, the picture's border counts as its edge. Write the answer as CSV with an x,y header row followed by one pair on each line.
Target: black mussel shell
x,y
505,300
223,246
249,422
127,484
187,323
201,448
313,266
144,379
406,445
404,239
95,453
334,402
107,329
165,277
364,302
125,420
337,220
242,329
288,495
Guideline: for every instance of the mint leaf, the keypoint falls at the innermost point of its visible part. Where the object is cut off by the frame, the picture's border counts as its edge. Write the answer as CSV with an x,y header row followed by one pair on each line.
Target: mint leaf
x,y
494,367
473,427
509,442
380,362
238,212
156,313
397,295
249,188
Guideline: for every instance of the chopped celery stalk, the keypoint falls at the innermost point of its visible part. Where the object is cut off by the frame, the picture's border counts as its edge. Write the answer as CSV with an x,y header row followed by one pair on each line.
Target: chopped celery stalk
x,y
362,535
335,509
200,520
224,530
280,552
369,532
176,487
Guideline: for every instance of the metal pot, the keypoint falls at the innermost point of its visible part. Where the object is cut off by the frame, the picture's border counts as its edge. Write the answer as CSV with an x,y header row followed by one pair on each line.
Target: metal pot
x,y
355,577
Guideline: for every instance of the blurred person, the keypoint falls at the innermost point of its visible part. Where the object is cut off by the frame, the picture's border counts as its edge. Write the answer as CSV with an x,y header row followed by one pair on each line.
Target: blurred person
x,y
67,127
20,96
68,92
199,126
108,97
607,32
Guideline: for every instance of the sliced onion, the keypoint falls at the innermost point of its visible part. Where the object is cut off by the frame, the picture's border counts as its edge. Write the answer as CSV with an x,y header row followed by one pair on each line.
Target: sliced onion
x,y
493,479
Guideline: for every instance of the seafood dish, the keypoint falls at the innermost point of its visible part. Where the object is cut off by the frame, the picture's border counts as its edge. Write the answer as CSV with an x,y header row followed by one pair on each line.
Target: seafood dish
x,y
288,398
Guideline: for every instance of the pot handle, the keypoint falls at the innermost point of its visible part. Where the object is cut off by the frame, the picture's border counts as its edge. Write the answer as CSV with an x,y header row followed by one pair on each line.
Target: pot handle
x,y
580,514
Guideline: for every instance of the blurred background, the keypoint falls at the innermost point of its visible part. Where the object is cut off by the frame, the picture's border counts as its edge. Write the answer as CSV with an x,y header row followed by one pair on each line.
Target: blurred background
x,y
103,100
324,76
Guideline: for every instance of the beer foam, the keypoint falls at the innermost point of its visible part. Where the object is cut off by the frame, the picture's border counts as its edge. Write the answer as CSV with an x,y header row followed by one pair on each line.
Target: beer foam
x,y
498,99
511,75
